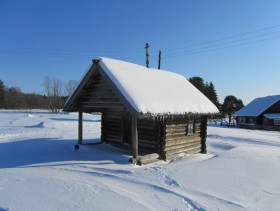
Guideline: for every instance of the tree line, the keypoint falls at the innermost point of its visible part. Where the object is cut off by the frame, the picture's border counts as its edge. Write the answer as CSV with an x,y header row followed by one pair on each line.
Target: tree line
x,y
54,97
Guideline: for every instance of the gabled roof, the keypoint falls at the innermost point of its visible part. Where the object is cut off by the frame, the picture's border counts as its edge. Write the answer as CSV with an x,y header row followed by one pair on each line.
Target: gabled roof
x,y
258,106
149,91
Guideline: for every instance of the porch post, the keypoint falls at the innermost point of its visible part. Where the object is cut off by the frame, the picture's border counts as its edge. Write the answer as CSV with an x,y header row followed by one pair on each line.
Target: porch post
x,y
80,128
203,133
134,137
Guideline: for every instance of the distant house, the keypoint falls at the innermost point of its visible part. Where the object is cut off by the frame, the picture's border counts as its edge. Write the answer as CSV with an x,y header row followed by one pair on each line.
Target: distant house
x,y
263,111
157,113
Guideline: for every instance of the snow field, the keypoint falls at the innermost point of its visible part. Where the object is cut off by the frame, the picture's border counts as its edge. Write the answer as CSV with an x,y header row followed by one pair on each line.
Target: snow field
x,y
40,170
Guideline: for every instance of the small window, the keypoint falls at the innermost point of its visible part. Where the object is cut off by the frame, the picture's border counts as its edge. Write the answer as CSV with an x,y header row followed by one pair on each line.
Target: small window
x,y
276,121
242,120
191,127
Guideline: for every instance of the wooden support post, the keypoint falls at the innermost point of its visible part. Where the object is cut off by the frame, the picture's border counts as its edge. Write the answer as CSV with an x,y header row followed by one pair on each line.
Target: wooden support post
x,y
134,137
203,133
80,129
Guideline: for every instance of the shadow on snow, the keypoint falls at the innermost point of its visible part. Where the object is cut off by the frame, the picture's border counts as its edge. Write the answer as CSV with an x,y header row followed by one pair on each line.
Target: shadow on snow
x,y
48,151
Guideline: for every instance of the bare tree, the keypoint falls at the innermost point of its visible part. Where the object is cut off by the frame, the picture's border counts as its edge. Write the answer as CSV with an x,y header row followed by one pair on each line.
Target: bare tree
x,y
54,90
70,87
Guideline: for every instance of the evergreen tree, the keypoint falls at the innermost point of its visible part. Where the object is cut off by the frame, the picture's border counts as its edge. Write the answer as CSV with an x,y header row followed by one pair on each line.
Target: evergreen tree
x,y
207,89
2,94
198,82
212,94
231,104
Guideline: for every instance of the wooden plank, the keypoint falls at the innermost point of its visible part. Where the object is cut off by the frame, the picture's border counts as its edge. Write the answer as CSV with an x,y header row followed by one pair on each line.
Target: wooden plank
x,y
181,141
180,150
181,146
170,156
176,125
174,137
149,158
134,137
103,106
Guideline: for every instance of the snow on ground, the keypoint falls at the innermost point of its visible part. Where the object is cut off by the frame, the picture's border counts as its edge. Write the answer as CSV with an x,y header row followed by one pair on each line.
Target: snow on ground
x,y
40,170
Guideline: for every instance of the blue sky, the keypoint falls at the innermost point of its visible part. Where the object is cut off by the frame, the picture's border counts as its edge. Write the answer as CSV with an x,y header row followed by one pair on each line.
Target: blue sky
x,y
234,44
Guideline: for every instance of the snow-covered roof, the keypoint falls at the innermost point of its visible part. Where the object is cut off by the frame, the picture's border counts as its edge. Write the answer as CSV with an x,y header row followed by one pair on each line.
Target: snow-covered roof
x,y
272,116
153,91
258,106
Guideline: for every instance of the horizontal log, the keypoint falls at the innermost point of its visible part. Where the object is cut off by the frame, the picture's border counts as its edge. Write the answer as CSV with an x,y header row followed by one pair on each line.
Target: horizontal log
x,y
175,133
175,125
113,140
101,99
146,127
112,124
149,156
113,133
180,128
152,133
147,146
179,134
99,84
185,150
180,141
148,140
115,115
147,123
188,137
169,157
148,143
146,162
106,106
181,146
147,159
111,104
93,91
191,151
112,121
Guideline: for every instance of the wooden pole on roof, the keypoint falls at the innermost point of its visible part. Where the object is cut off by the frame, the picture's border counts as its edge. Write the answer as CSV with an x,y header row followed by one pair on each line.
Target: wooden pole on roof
x,y
147,54
159,59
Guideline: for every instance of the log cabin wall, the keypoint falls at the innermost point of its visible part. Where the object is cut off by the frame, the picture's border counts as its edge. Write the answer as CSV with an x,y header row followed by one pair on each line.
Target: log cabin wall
x,y
148,136
113,127
180,135
98,96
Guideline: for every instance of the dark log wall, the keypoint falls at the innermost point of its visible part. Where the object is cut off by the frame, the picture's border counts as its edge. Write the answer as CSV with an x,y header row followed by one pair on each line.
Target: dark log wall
x,y
165,136
113,130
148,136
98,95
175,138
116,130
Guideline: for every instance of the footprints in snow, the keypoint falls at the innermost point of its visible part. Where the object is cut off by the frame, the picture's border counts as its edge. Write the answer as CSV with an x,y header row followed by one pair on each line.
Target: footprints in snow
x,y
171,182
159,172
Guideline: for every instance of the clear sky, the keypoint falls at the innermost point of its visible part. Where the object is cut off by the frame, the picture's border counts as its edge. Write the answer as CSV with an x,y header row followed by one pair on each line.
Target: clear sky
x,y
233,43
